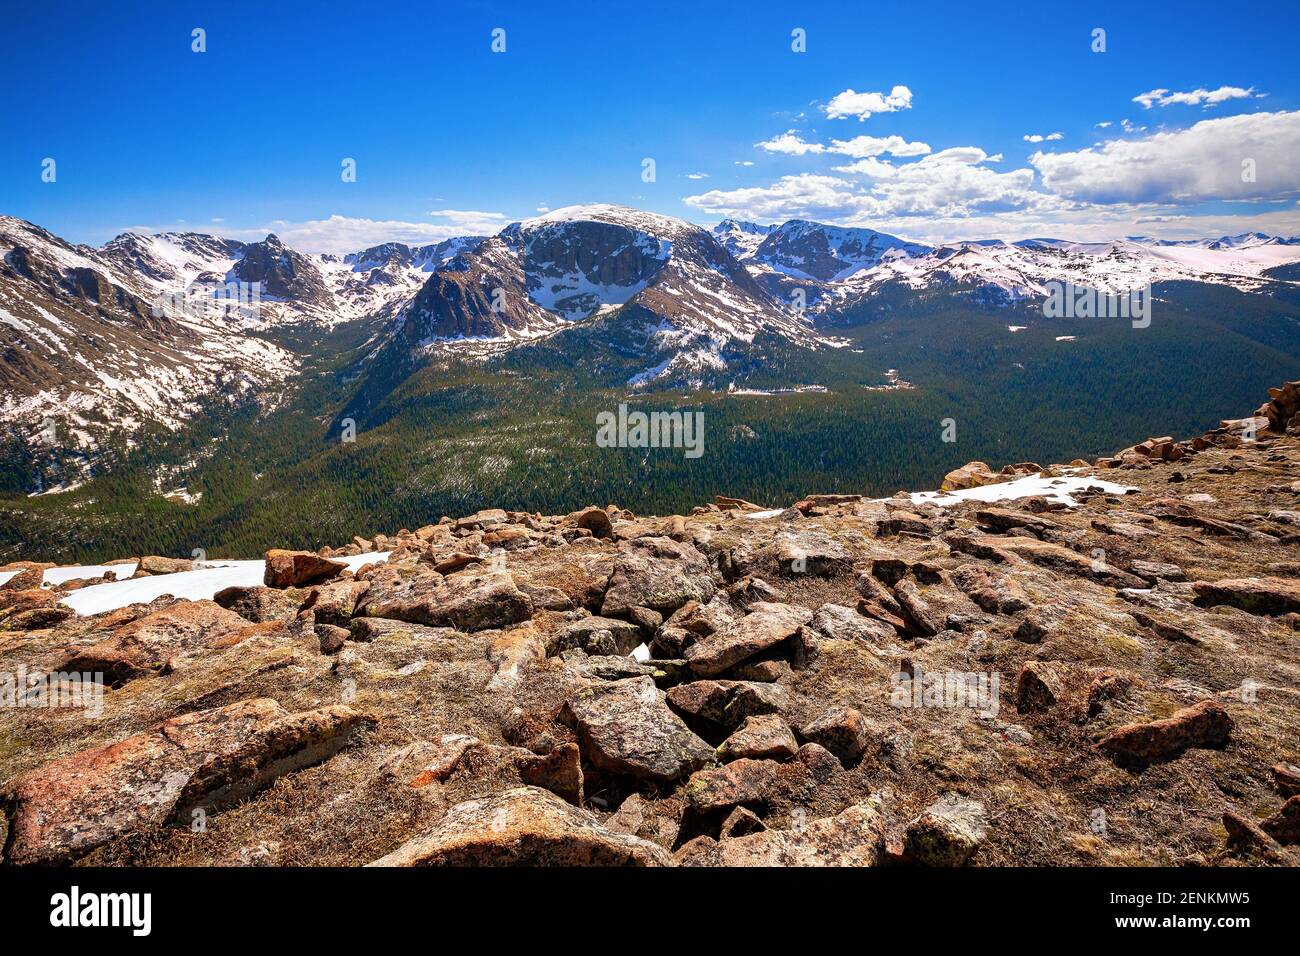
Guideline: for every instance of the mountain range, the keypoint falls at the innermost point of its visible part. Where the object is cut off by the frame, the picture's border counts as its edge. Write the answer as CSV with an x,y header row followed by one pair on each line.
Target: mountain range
x,y
148,352
98,341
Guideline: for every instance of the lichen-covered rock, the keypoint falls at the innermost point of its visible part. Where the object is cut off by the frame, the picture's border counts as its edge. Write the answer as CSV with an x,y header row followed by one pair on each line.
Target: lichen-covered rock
x,y
658,573
765,626
626,727
758,738
526,826
199,762
1205,724
145,645
1263,595
947,833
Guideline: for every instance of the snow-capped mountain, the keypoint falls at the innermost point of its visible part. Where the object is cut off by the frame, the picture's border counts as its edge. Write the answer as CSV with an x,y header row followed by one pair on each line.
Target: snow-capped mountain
x,y
741,238
87,354
98,342
1011,272
832,267
582,263
809,250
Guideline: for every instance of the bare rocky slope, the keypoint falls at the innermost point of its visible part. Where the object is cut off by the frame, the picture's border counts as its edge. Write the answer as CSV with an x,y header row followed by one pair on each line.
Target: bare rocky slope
x,y
1118,683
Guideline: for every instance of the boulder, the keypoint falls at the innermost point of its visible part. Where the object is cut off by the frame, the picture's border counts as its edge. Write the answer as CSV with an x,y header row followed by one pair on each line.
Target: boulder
x,y
153,564
1284,826
201,761
466,601
993,591
293,569
1038,686
765,626
855,837
809,551
973,474
526,826
260,604
920,617
626,727
843,731
838,622
657,573
1266,595
1205,724
147,643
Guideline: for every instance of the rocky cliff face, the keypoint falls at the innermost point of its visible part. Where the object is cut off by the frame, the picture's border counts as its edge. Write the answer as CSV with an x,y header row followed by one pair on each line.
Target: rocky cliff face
x,y
1082,664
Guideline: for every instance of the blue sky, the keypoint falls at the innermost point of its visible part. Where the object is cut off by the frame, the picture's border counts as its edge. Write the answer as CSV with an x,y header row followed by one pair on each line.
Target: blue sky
x,y
449,137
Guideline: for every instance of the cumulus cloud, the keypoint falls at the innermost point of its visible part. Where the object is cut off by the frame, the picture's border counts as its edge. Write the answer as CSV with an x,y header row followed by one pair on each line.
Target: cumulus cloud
x,y
1202,163
791,197
863,146
859,147
1039,138
1197,97
862,105
952,182
791,144
870,166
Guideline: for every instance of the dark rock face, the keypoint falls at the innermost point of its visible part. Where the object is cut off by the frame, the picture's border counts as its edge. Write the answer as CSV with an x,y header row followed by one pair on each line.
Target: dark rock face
x,y
826,252
283,273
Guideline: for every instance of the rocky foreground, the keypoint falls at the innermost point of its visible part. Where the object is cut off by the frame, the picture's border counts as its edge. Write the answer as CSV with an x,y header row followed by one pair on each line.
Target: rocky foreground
x,y
846,682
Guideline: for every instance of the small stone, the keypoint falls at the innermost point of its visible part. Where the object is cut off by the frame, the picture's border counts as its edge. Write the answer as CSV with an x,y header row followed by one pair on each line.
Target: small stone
x,y
947,833
844,732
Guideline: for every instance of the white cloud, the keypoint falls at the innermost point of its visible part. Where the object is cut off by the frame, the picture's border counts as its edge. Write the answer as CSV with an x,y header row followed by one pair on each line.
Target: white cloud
x,y
1039,138
1202,163
790,144
790,197
343,234
472,221
697,175
744,162
863,146
862,105
1197,97
870,166
1103,124
952,182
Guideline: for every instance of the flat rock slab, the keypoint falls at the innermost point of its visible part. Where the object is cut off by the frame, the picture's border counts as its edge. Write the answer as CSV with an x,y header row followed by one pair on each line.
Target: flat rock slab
x,y
853,837
147,643
206,759
626,727
526,826
765,626
1256,595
